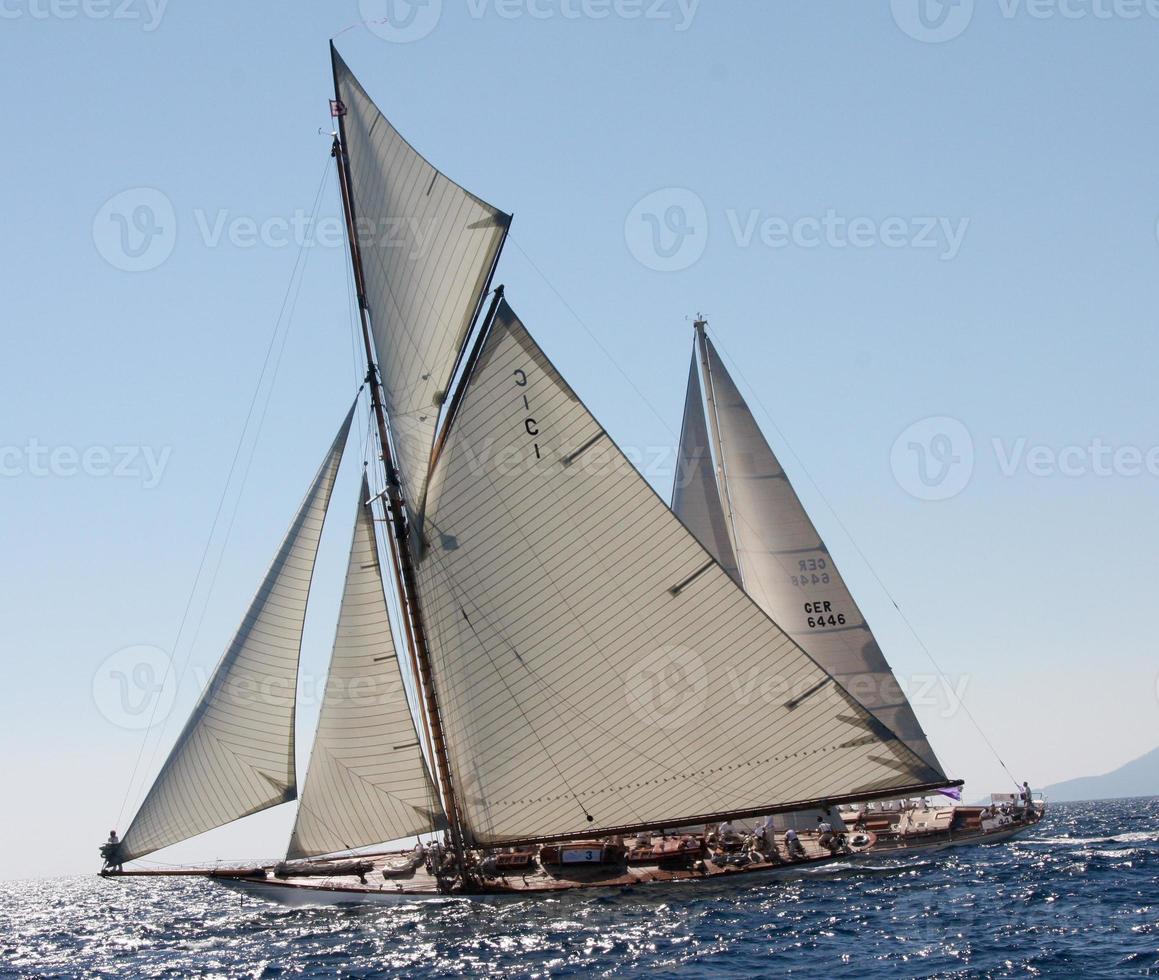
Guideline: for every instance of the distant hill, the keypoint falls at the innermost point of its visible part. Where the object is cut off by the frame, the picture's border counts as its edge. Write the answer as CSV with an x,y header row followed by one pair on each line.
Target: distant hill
x,y
1137,778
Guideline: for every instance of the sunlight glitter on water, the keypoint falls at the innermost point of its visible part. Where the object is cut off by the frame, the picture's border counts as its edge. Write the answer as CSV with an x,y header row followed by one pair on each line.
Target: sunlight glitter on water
x,y
1079,899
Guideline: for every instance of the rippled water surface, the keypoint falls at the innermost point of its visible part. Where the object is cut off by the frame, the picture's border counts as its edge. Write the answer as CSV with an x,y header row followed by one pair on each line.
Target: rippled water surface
x,y
1078,898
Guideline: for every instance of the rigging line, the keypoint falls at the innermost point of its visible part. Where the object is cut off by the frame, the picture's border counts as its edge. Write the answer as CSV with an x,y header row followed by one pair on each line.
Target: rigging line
x,y
289,303
519,707
596,340
611,667
547,688
856,547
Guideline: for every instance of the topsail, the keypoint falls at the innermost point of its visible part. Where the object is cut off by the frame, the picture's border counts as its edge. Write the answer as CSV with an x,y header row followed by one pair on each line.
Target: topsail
x,y
784,564
235,755
427,247
598,669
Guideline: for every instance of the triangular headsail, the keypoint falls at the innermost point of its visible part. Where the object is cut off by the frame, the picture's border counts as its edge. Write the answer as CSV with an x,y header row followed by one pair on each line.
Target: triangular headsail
x,y
785,565
428,248
367,782
598,670
235,755
695,493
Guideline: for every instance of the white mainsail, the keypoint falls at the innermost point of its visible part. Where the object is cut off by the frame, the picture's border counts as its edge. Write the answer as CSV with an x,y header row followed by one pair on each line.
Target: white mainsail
x,y
784,564
428,247
235,755
596,668
367,782
695,493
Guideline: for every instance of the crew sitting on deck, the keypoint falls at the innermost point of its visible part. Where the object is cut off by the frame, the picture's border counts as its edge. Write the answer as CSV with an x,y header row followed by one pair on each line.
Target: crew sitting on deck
x,y
793,845
763,836
825,834
728,834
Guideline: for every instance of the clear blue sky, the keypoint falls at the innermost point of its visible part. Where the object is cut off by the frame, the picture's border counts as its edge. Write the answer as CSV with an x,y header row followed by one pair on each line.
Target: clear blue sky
x,y
1027,138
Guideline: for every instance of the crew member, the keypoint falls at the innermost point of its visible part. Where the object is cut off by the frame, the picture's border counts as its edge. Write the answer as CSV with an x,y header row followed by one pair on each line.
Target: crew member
x,y
111,852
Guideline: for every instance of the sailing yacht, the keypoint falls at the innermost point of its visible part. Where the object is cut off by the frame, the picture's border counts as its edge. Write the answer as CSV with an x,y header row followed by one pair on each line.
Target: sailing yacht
x,y
733,494
542,586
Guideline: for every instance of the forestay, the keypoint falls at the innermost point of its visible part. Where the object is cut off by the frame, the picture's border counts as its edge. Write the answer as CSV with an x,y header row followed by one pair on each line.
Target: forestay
x,y
235,755
785,565
596,668
367,782
428,247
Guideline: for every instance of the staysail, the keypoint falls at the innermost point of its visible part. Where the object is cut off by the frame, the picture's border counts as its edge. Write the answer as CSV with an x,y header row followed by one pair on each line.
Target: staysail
x,y
367,782
235,755
597,669
784,564
695,493
427,248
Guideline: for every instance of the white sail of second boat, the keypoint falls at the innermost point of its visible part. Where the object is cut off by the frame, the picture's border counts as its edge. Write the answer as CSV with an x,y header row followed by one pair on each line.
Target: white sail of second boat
x,y
784,565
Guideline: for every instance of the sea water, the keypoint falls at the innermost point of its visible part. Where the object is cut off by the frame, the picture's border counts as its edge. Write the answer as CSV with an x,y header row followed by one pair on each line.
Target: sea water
x,y
1077,897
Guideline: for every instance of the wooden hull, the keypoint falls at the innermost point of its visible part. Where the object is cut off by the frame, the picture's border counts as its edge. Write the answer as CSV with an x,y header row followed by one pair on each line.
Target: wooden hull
x,y
330,893
941,840
543,880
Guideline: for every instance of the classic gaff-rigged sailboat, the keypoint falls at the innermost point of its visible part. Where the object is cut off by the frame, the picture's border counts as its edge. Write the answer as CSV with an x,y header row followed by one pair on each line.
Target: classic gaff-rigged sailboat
x,y
548,595
733,494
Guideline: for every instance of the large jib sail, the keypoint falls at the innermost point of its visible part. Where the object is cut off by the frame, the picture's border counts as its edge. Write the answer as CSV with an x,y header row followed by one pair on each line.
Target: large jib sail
x,y
783,561
428,248
235,755
367,782
598,669
695,492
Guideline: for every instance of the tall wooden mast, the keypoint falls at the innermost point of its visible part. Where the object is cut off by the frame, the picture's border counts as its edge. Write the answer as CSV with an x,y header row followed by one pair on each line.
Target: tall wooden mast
x,y
402,555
